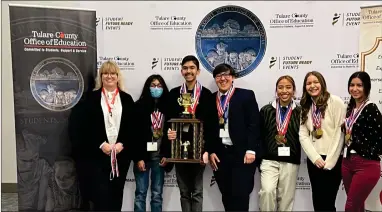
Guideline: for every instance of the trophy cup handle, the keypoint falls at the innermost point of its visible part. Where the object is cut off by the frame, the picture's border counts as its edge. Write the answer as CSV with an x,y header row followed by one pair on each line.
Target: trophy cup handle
x,y
180,101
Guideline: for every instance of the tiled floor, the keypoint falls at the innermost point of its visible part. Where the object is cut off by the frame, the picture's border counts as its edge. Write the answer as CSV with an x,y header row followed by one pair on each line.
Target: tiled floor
x,y
9,202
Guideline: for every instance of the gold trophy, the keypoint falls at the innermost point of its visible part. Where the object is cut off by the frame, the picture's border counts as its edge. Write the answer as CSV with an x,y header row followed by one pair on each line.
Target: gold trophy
x,y
185,101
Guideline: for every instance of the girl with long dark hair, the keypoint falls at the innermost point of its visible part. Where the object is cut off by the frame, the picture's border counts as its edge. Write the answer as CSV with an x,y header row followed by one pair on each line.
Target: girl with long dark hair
x,y
363,143
151,153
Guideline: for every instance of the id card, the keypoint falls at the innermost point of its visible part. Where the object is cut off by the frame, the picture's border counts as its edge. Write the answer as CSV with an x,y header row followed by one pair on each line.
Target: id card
x,y
186,127
345,151
152,146
112,131
284,151
224,133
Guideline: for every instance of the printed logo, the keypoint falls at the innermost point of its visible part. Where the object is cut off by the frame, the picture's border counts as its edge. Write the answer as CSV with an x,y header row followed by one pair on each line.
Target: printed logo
x,y
301,184
293,20
289,62
170,180
213,181
346,19
346,99
342,60
112,23
56,84
174,23
61,42
124,63
232,35
166,63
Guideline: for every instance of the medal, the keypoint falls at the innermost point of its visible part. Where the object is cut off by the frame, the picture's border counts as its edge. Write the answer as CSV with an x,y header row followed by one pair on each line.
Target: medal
x,y
349,122
221,120
347,137
222,106
282,122
316,117
280,138
156,121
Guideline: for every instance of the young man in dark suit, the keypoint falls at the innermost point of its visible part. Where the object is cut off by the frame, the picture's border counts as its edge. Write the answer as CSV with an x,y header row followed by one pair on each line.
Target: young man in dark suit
x,y
236,146
190,176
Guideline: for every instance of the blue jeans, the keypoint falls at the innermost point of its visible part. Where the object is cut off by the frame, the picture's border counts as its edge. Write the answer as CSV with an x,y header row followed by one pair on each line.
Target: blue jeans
x,y
142,185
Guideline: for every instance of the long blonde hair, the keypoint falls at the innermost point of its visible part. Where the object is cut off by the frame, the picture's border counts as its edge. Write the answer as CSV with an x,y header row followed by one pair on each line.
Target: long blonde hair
x,y
109,66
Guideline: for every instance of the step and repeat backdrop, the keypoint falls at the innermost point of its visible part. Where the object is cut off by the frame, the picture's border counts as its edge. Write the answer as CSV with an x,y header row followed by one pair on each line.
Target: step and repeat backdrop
x,y
261,40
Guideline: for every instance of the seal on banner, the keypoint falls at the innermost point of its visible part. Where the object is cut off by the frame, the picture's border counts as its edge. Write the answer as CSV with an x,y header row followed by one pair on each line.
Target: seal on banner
x,y
232,35
56,84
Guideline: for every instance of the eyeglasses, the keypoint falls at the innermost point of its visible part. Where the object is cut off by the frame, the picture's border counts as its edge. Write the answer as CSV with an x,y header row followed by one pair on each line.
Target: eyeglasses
x,y
225,75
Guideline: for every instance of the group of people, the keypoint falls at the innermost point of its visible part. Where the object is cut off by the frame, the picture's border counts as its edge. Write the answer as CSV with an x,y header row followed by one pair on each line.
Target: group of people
x,y
341,142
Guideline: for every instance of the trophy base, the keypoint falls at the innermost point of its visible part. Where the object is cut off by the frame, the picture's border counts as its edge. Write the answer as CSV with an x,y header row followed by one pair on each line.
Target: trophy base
x,y
186,115
173,160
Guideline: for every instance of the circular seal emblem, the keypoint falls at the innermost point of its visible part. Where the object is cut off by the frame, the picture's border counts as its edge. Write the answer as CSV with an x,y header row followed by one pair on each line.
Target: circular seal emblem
x,y
231,35
56,84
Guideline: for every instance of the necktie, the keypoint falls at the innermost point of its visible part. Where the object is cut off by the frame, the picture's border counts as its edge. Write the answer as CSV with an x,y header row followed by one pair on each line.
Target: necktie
x,y
222,99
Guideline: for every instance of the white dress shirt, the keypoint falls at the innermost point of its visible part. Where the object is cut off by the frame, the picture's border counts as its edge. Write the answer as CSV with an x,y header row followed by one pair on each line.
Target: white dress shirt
x,y
116,114
227,140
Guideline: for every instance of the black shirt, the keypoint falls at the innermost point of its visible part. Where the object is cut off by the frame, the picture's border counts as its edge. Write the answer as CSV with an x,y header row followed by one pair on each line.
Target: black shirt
x,y
367,133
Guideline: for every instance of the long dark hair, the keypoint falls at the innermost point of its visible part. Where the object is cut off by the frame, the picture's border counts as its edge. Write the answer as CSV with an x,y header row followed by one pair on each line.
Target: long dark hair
x,y
306,99
147,101
366,84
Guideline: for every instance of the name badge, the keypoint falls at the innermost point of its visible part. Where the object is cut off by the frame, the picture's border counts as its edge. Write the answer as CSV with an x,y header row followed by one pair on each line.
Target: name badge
x,y
345,151
152,146
112,131
284,151
224,133
186,127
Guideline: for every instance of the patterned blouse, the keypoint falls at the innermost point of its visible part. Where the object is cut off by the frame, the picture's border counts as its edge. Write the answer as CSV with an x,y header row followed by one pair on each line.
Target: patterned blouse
x,y
367,133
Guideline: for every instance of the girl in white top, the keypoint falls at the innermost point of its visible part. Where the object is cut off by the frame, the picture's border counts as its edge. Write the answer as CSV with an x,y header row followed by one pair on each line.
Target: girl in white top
x,y
322,140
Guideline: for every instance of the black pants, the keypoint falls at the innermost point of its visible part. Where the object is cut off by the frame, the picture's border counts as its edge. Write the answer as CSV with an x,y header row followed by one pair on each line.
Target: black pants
x,y
107,195
325,185
190,182
235,179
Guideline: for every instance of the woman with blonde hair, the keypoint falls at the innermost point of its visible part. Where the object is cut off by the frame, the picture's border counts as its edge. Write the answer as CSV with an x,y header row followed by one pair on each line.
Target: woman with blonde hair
x,y
108,136
282,150
320,135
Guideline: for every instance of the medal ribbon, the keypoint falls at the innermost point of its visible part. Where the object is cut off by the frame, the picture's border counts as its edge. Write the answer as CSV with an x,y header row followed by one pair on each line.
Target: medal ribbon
x,y
349,122
223,108
114,163
109,107
195,95
156,119
316,116
282,125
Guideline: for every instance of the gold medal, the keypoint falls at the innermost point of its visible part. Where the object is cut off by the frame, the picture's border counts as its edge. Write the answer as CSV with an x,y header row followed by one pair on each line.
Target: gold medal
x,y
316,133
221,120
347,137
157,134
280,138
319,132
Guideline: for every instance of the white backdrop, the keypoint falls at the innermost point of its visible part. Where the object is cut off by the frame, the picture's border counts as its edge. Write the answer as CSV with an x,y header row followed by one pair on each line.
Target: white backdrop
x,y
331,31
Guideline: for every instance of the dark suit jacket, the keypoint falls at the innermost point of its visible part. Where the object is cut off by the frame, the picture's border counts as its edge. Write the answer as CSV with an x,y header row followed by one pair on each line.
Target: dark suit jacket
x,y
243,124
95,132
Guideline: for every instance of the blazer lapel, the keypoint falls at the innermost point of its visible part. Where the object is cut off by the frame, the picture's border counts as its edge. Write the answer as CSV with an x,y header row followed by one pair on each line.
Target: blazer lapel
x,y
122,97
232,105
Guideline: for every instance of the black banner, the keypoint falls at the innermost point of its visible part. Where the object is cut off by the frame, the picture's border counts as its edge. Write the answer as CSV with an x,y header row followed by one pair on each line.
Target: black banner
x,y
54,62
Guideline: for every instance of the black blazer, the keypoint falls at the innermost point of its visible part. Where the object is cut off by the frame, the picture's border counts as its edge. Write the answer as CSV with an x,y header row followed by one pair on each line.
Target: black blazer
x,y
244,124
95,131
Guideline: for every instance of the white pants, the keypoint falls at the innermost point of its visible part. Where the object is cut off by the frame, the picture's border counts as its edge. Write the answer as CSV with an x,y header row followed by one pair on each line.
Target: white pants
x,y
278,185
